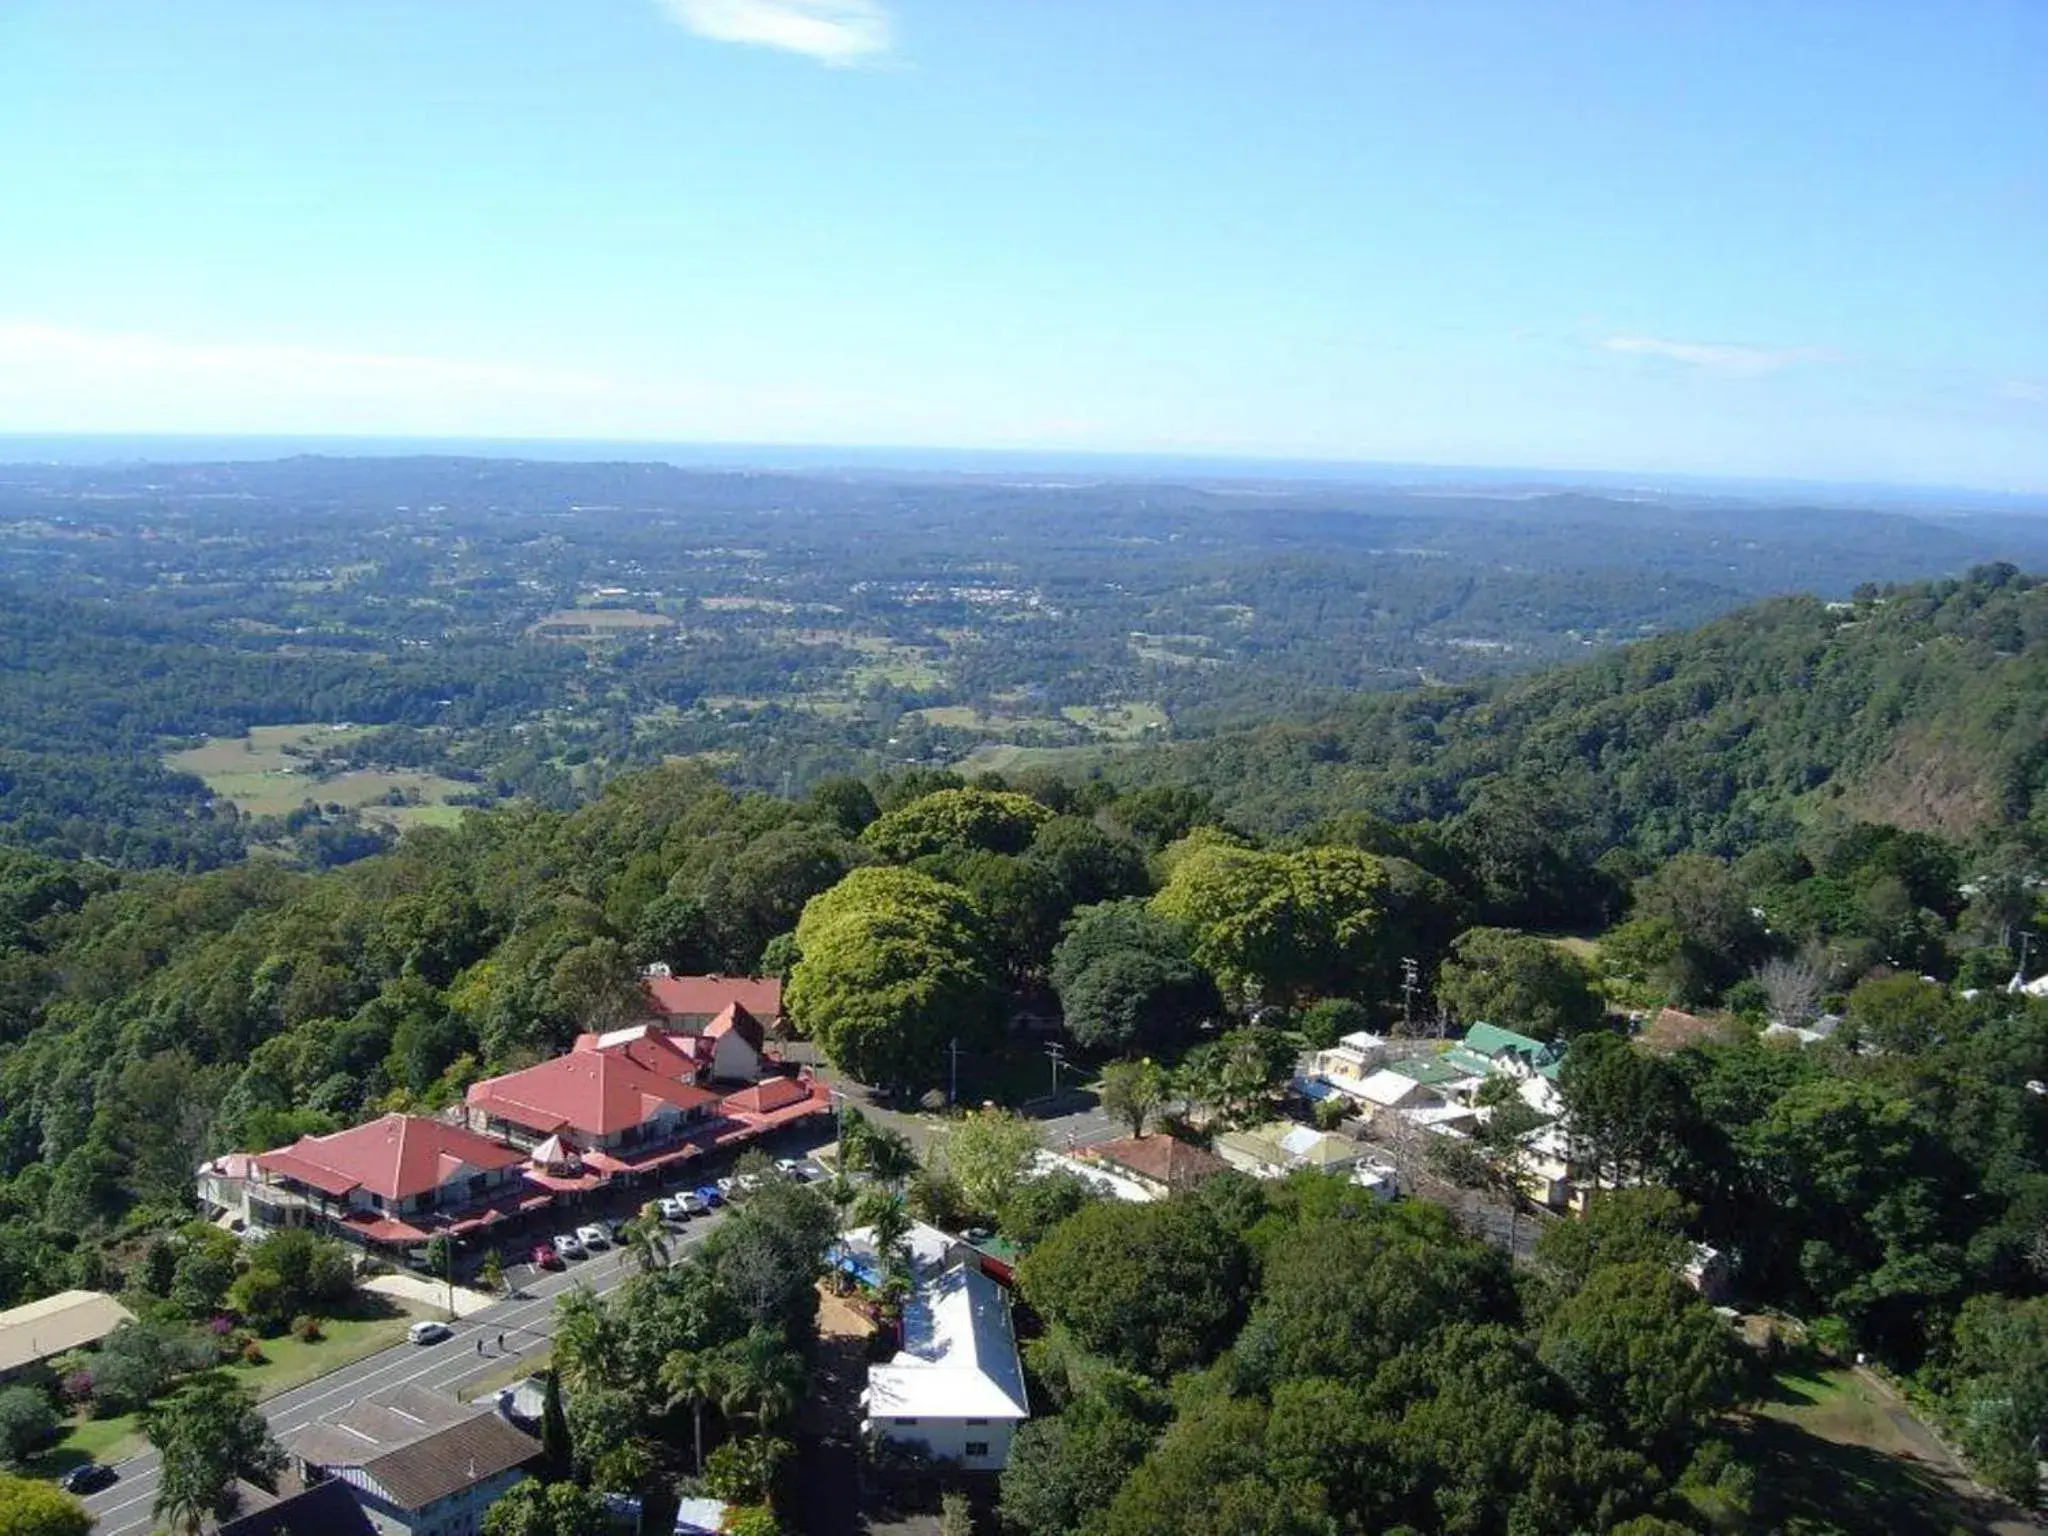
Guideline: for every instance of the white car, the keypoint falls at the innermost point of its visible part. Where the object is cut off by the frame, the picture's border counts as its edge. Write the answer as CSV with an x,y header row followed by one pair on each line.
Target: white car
x,y
428,1332
593,1237
681,1207
790,1168
570,1246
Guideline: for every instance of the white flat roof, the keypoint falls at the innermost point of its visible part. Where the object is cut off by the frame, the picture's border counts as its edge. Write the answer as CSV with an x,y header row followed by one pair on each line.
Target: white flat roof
x,y
959,1356
1385,1088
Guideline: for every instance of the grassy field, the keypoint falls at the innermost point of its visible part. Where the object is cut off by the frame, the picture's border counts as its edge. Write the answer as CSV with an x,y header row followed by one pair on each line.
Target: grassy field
x,y
290,1363
264,774
1836,1453
1122,722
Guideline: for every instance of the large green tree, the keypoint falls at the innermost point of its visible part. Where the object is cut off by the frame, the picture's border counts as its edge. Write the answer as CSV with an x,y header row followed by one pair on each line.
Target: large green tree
x,y
957,821
29,1507
1638,1346
894,967
1277,926
1157,1288
207,1434
1127,980
1519,982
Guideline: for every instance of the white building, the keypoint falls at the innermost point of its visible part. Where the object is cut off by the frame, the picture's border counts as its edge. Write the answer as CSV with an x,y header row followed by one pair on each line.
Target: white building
x,y
956,1388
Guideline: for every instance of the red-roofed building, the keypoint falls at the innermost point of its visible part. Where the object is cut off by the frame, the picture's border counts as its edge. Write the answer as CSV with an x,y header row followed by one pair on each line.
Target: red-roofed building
x,y
729,1048
603,1100
775,1102
397,1180
689,1003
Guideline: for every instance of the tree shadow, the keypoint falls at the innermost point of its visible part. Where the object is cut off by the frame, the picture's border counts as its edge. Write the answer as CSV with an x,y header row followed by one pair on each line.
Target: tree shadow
x,y
1810,1486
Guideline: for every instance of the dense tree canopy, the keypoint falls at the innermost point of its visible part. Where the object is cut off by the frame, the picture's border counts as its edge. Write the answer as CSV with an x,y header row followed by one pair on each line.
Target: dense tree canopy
x,y
894,965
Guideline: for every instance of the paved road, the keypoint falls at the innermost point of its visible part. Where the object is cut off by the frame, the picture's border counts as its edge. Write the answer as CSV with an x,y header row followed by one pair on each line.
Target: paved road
x,y
526,1322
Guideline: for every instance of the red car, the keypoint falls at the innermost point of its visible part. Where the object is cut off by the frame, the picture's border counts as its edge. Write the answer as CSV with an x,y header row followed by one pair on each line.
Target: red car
x,y
545,1257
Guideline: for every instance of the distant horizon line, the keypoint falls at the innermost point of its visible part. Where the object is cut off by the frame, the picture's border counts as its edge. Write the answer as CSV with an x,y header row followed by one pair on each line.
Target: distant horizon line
x,y
114,449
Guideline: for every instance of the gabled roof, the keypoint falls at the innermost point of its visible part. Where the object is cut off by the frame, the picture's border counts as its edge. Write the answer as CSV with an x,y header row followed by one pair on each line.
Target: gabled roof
x,y
38,1329
1492,1042
736,1020
396,1156
768,1095
449,1460
1161,1158
959,1356
649,1046
709,996
594,1092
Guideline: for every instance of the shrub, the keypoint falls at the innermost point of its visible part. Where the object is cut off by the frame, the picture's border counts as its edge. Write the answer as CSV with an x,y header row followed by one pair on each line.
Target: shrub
x,y
252,1352
306,1328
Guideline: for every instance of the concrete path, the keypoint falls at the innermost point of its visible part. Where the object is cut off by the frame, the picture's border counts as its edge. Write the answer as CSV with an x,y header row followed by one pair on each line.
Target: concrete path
x,y
432,1294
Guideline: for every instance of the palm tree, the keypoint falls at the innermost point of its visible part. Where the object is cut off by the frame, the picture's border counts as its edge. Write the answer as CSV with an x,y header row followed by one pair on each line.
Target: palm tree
x,y
587,1339
694,1376
181,1508
760,1376
647,1239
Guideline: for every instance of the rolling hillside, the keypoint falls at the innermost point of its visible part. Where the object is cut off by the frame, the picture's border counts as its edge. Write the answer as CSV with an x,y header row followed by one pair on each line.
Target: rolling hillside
x,y
1925,706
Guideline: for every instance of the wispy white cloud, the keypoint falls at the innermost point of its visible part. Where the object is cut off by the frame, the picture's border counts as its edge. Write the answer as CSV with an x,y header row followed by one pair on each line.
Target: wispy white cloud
x,y
1721,357
836,32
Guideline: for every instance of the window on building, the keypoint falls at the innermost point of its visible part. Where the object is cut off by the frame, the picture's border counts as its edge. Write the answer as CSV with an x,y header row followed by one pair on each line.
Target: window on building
x,y
977,1447
903,1423
977,1421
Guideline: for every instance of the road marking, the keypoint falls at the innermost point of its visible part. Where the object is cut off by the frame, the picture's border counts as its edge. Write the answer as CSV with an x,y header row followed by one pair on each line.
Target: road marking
x,y
618,1270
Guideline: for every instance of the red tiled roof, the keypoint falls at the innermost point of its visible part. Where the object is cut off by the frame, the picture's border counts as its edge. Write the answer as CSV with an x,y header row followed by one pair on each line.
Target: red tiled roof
x,y
397,1157
709,996
649,1046
597,1093
1163,1159
736,1020
766,1096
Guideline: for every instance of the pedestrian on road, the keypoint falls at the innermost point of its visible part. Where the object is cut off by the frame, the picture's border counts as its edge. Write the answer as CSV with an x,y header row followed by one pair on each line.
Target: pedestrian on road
x,y
479,1344
501,1341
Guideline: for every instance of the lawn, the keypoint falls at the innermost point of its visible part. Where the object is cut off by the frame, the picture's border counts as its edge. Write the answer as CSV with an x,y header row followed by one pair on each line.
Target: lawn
x,y
107,1440
291,1363
1835,1454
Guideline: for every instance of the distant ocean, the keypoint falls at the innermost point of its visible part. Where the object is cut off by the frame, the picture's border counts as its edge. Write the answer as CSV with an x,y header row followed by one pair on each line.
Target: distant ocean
x,y
84,449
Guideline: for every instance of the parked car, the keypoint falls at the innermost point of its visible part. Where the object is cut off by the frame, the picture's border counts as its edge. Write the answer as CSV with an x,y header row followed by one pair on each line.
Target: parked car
x,y
681,1207
730,1187
428,1332
570,1246
593,1236
545,1257
90,1478
790,1168
711,1195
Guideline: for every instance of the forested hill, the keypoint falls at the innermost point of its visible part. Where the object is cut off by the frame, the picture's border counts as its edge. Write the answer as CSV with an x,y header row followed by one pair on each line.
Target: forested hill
x,y
1925,706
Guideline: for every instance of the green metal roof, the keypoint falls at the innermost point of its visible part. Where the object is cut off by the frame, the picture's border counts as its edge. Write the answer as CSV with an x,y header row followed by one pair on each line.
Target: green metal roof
x,y
1491,1041
1427,1070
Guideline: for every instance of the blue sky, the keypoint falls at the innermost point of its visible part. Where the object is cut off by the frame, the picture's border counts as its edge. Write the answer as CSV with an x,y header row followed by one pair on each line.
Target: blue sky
x,y
1772,240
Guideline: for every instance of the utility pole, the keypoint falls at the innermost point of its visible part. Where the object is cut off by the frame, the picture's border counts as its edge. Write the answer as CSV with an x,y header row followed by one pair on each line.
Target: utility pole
x,y
1410,984
1056,1054
953,1081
